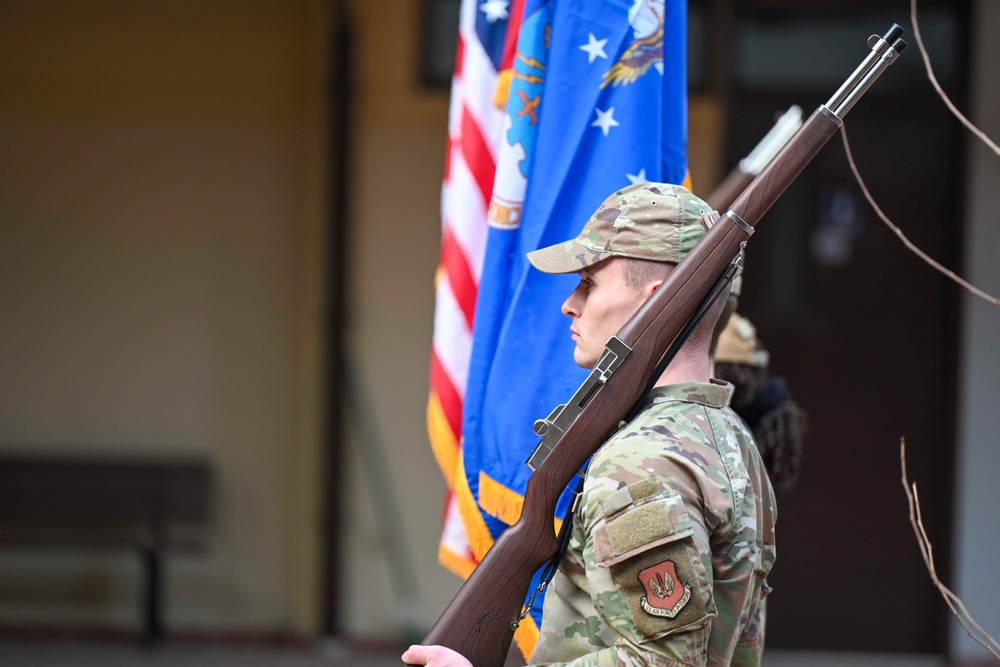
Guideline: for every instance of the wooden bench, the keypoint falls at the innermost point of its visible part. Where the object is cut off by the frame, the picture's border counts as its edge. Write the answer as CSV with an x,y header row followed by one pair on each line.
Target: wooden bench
x,y
151,507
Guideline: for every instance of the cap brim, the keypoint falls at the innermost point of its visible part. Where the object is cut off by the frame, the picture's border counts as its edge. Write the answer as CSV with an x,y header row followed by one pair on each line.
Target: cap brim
x,y
566,257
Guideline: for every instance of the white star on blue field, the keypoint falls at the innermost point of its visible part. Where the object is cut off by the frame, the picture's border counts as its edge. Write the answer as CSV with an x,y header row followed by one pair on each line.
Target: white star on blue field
x,y
605,120
495,10
594,48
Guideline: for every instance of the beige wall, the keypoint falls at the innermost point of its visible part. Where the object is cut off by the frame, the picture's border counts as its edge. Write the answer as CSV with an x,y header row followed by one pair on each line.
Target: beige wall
x,y
401,131
161,213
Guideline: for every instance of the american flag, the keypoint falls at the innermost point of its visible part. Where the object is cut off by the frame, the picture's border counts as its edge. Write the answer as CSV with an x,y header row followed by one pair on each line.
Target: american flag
x,y
487,32
597,101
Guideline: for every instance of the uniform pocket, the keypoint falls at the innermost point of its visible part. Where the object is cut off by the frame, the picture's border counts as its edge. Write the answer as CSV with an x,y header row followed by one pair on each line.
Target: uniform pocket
x,y
647,546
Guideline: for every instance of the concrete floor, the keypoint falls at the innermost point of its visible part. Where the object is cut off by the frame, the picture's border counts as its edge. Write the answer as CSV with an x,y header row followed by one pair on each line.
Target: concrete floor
x,y
77,653
36,652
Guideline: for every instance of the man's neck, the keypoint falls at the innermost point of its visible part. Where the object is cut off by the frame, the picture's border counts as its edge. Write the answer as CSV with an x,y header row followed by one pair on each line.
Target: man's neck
x,y
686,368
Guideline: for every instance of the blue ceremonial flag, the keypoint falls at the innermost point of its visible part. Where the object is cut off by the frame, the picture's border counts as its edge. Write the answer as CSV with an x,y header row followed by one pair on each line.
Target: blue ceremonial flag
x,y
597,101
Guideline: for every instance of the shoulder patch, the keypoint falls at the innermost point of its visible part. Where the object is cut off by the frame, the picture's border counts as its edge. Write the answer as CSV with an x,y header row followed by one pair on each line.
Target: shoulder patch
x,y
665,594
666,590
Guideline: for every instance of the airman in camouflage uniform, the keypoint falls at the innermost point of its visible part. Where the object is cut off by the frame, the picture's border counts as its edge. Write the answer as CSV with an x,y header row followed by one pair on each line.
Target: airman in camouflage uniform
x,y
671,545
675,532
674,535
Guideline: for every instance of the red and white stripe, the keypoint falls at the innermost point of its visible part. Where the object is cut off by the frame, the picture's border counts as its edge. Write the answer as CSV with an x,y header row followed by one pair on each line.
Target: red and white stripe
x,y
474,135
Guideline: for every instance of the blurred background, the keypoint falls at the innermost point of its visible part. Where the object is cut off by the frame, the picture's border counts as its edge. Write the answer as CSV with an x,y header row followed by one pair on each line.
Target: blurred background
x,y
219,228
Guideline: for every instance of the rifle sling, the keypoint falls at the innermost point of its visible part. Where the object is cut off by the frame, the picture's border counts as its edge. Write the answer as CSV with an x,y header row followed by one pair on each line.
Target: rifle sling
x,y
565,531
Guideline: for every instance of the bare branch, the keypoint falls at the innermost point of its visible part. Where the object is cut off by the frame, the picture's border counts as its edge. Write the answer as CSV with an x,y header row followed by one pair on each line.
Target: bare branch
x,y
937,87
902,237
954,603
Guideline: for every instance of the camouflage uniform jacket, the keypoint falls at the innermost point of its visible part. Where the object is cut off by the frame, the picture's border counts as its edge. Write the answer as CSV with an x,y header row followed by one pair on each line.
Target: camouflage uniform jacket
x,y
671,545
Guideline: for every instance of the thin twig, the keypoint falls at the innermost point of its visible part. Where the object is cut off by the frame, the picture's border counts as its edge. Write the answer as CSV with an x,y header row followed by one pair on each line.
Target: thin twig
x,y
902,237
934,82
973,629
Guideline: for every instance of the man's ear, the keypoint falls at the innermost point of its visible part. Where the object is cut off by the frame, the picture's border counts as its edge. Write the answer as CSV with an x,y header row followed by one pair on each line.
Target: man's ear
x,y
651,287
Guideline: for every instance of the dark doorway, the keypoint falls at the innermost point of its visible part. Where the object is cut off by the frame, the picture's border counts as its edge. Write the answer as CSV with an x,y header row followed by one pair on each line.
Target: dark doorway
x,y
864,333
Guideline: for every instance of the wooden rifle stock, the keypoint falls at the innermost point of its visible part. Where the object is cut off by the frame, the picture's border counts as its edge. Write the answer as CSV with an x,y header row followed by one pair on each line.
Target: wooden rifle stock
x,y
480,621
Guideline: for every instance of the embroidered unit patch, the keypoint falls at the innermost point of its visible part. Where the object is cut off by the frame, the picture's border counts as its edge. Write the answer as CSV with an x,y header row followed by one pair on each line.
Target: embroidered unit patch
x,y
665,594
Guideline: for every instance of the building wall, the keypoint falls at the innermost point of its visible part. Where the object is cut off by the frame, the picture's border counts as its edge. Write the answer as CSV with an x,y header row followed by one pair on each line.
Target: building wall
x,y
977,535
161,217
400,140
392,582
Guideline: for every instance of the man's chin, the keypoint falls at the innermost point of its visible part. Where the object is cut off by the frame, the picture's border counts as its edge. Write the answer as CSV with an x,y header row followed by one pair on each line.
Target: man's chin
x,y
582,360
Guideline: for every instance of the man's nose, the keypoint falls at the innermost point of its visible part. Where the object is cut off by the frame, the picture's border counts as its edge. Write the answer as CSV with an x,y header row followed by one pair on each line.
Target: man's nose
x,y
570,306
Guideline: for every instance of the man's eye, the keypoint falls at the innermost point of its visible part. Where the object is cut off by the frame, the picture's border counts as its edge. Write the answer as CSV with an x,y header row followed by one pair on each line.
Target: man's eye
x,y
586,283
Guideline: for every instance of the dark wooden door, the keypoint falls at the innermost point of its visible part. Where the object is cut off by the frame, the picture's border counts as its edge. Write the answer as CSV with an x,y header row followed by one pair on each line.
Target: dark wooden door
x,y
865,335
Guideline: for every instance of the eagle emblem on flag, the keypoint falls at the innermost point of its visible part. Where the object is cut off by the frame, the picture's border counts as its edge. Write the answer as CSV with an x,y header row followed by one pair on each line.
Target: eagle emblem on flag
x,y
646,19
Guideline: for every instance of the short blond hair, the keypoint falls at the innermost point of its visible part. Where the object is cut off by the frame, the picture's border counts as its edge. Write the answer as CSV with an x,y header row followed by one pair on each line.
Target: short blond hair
x,y
640,272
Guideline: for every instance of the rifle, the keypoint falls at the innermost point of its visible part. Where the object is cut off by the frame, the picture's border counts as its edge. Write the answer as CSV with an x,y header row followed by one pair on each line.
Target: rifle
x,y
738,179
479,622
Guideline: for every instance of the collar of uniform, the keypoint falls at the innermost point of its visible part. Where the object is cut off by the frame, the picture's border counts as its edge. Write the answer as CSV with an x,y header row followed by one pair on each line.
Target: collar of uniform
x,y
714,393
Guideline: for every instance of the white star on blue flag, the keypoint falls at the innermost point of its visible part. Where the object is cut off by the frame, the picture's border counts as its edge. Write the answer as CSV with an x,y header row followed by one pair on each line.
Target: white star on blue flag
x,y
495,9
635,179
605,120
594,48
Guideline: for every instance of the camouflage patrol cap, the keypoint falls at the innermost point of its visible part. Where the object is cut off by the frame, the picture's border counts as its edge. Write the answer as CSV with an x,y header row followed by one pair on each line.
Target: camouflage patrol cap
x,y
655,221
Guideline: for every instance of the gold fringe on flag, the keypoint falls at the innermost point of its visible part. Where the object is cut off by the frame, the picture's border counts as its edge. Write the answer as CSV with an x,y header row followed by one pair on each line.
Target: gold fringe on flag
x,y
443,441
502,90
